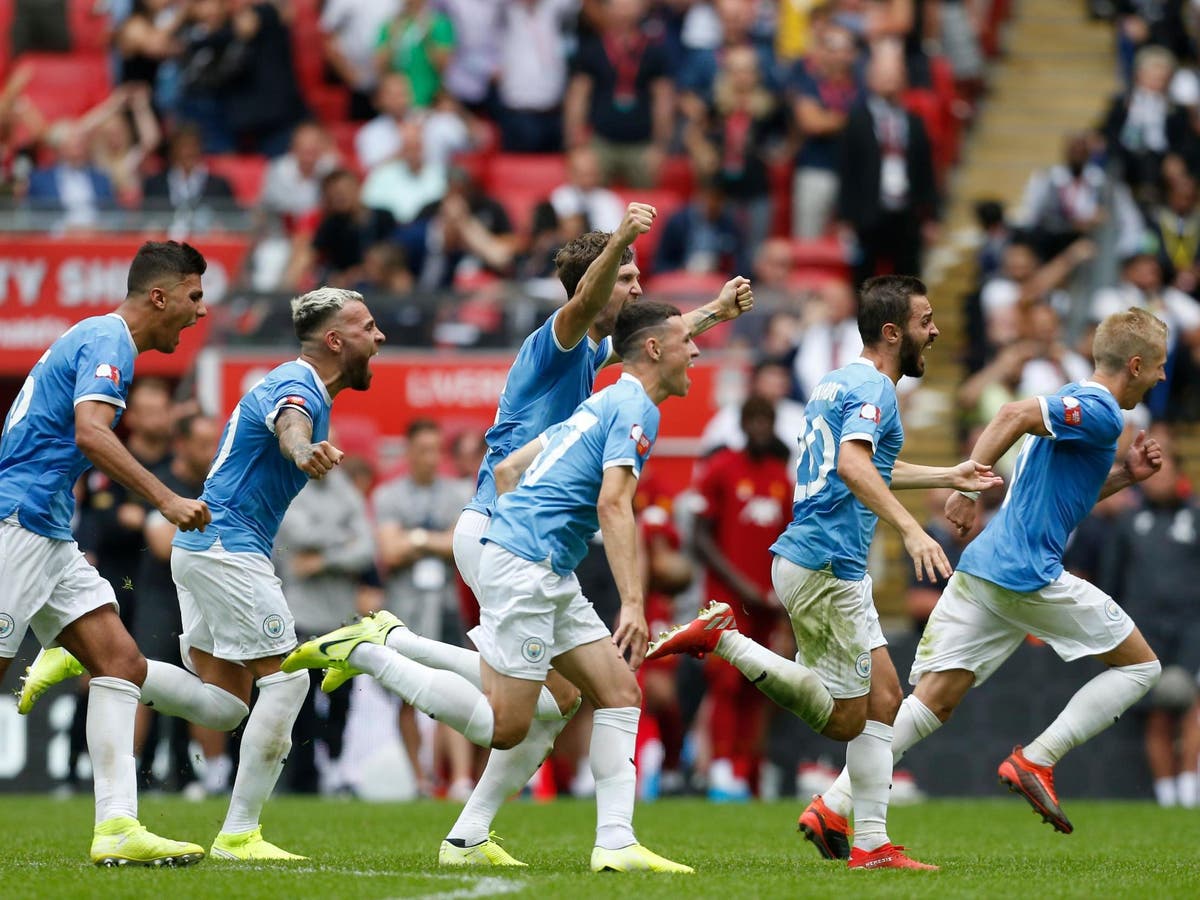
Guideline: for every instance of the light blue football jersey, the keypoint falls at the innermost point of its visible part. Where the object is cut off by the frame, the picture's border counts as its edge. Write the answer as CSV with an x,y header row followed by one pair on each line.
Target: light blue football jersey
x,y
251,484
1056,480
39,460
831,528
544,385
551,515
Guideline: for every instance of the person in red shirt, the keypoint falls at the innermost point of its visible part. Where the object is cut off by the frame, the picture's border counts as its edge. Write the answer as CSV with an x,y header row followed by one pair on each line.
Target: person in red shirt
x,y
746,498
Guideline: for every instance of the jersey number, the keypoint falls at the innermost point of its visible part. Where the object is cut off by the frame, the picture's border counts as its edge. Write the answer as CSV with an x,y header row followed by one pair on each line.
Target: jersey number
x,y
575,427
816,459
21,405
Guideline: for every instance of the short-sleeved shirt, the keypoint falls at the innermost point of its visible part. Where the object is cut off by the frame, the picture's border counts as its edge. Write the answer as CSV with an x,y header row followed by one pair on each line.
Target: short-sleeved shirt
x,y
39,459
621,76
820,151
251,483
831,528
1055,483
545,384
551,514
407,40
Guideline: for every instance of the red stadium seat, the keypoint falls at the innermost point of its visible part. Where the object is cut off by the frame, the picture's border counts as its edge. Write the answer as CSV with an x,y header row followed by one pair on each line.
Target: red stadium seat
x,y
66,85
820,257
245,173
90,26
526,172
677,175
701,286
6,20
928,106
343,134
780,175
519,203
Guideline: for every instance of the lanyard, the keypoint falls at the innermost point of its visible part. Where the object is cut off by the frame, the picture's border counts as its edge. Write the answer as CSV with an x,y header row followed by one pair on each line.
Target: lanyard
x,y
1181,247
625,56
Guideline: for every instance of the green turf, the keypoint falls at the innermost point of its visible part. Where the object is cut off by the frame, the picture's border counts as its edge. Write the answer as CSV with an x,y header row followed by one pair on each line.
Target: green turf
x,y
359,851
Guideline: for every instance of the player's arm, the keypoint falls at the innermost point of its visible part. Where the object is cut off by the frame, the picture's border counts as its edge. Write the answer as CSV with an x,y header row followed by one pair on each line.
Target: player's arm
x,y
968,475
735,298
1143,460
705,544
509,471
95,439
293,430
615,511
159,533
595,288
856,469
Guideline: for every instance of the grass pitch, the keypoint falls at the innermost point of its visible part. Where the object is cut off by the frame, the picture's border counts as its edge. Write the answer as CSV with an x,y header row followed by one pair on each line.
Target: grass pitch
x,y
360,851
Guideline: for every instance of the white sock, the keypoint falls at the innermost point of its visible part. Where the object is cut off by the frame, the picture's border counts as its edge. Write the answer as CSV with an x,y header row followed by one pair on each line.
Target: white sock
x,y
1186,784
869,759
112,705
614,739
914,722
794,687
1165,791
506,773
446,696
1094,707
461,661
177,692
216,774
265,745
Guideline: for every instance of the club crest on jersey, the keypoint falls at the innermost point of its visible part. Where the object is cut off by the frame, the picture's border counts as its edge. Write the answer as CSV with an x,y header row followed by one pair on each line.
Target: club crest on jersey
x,y
638,436
1072,411
871,412
112,373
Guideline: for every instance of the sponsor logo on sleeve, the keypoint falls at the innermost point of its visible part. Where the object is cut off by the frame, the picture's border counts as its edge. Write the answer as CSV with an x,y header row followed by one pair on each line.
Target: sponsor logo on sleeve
x,y
293,400
870,412
1072,411
638,436
112,373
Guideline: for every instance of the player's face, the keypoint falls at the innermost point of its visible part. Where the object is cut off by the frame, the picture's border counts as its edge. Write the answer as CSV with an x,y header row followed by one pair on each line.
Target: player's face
x,y
1153,370
918,337
679,351
183,305
627,290
361,339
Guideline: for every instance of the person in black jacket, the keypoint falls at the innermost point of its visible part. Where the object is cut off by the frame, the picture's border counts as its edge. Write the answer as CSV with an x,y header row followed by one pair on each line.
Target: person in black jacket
x,y
186,184
888,195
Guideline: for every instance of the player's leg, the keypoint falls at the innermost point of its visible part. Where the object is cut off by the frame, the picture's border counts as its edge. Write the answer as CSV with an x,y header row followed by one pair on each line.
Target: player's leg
x,y
1189,758
601,673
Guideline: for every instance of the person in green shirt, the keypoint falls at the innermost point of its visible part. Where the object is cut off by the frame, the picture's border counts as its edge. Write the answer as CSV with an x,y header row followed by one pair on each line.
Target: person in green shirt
x,y
418,42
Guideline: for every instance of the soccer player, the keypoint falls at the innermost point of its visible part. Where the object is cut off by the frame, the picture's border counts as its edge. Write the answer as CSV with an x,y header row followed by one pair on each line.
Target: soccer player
x,y
578,475
236,623
553,373
1010,580
60,424
843,683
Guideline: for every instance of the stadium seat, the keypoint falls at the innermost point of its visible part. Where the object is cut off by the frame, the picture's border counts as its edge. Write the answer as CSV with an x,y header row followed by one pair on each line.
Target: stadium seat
x,y
823,256
66,85
519,203
701,286
780,175
343,134
90,26
6,20
928,106
245,173
677,175
526,172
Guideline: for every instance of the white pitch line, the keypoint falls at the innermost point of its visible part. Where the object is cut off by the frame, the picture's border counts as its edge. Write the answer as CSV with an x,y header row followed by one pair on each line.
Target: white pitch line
x,y
484,887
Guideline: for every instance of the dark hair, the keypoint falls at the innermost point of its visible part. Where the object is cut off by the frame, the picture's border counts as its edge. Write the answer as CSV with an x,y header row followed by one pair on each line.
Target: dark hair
x,y
578,253
156,260
757,406
635,318
335,176
884,299
186,424
989,213
420,426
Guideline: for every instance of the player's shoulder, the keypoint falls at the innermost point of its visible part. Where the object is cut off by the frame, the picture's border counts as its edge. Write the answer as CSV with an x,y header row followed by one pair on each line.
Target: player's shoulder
x,y
1095,396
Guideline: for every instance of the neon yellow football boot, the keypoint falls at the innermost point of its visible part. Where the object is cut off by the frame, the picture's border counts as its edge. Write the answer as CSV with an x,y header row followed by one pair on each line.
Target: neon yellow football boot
x,y
126,842
331,651
49,668
248,845
635,858
487,853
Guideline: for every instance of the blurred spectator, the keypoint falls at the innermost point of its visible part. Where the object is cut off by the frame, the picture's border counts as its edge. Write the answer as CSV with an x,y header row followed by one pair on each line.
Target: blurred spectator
x,y
887,194
960,44
826,88
1150,22
40,25
418,42
187,185
829,337
204,36
466,232
443,130
532,75
584,196
770,380
548,233
466,456
346,231
469,75
746,502
292,185
729,137
1143,125
408,182
774,295
351,29
1024,281
21,130
144,40
996,383
415,517
995,235
1176,226
621,96
74,185
385,270
797,27
1052,363
323,549
697,75
124,133
1066,201
703,236
1151,565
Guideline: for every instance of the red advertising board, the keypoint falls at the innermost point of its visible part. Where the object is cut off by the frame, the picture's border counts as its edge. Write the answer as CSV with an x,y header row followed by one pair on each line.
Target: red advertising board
x,y
459,390
47,284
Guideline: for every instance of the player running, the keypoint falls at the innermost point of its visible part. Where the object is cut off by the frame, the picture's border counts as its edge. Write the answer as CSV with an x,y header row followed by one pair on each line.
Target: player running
x,y
61,424
578,476
1010,580
843,683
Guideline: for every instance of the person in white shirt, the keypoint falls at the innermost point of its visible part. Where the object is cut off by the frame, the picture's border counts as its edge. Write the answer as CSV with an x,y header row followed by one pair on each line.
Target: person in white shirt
x,y
443,131
409,182
584,196
532,74
350,29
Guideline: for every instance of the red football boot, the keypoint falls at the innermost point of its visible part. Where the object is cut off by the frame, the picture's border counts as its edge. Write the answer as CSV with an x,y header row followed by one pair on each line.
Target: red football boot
x,y
698,636
889,856
829,832
1036,784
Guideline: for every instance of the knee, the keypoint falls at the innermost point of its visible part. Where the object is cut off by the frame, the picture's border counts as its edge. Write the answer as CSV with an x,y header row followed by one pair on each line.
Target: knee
x,y
226,711
565,694
846,722
124,661
506,734
885,702
619,696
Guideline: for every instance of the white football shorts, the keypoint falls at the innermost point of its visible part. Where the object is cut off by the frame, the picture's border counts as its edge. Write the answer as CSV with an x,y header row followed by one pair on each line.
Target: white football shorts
x,y
977,625
231,605
528,615
468,549
835,624
47,585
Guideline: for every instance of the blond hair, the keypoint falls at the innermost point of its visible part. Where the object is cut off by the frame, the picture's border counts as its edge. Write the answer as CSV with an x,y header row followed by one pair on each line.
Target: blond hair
x,y
1125,335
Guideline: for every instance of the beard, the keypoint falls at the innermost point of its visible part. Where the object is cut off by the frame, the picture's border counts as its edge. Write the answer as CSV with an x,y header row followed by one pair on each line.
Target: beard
x,y
911,363
359,378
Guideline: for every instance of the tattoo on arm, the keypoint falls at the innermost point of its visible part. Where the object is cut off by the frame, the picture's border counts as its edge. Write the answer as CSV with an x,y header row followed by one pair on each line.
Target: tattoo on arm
x,y
294,431
702,320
